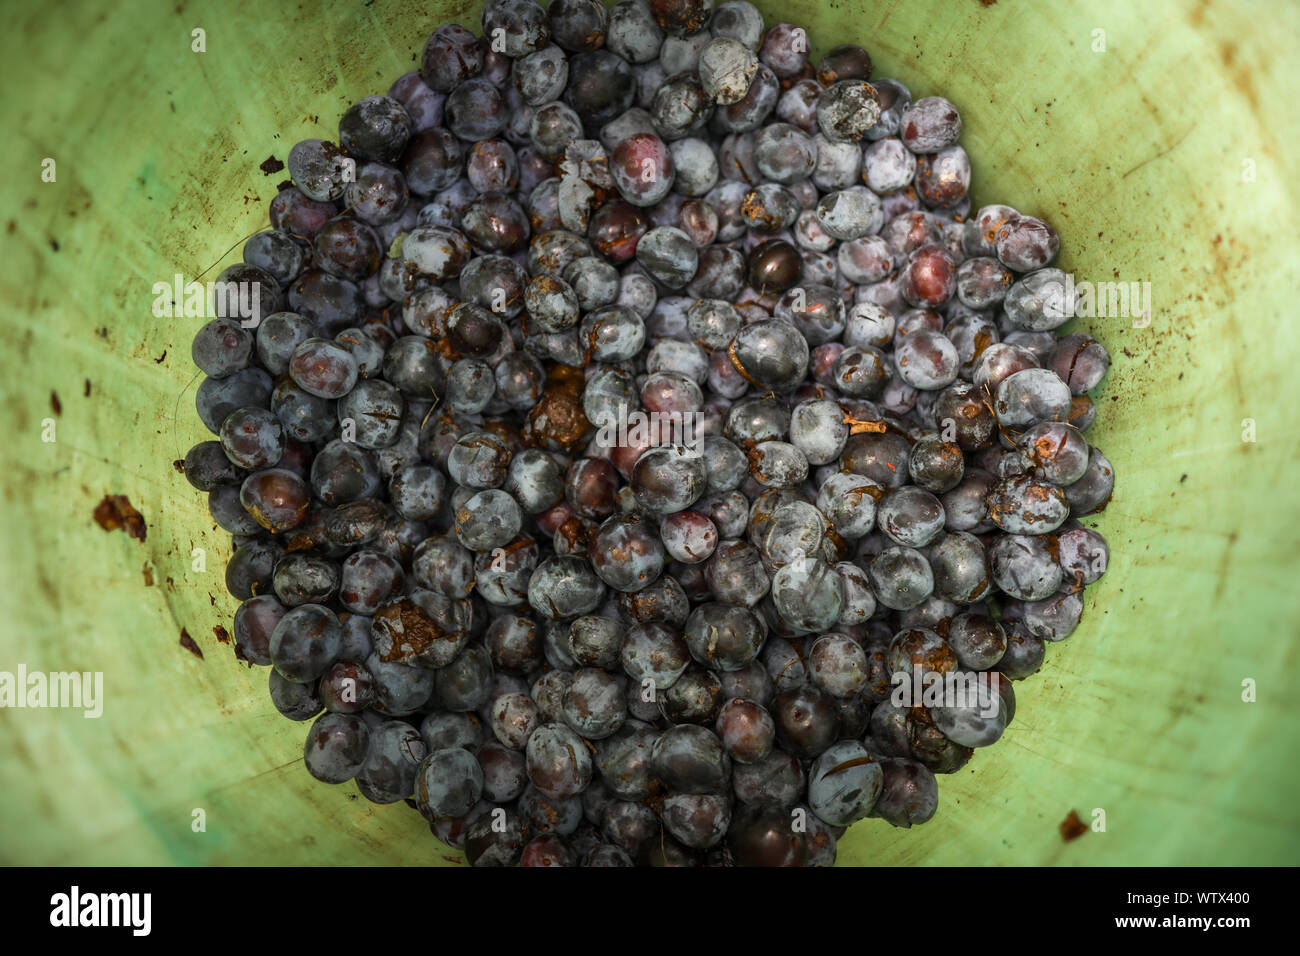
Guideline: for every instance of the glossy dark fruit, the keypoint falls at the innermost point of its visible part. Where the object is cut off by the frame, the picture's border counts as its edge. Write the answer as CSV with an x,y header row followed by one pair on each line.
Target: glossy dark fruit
x,y
496,223
596,641
367,347
627,552
910,516
838,665
304,417
466,683
901,578
293,700
845,62
601,86
964,413
930,124
1024,243
379,195
474,331
254,622
668,255
694,698
445,729
520,26
668,479
689,536
489,519
909,794
1055,617
452,54
861,371
807,721
615,229
697,820
807,594
612,334
1024,566
540,77
978,641
1030,396
227,510
373,409
376,128
347,688
565,587
324,368
1092,492
432,161
736,575
746,730
769,208
849,502
1084,555
393,758
277,337
221,347
332,302
559,764
690,759
448,783
399,690
936,465
770,354
218,397
1081,362
784,153
844,783
1057,452
336,747
976,716
774,265
1022,504
301,577
960,567
547,850
767,837
655,655
514,643
488,844
319,169
297,214
943,177
593,705
643,169
347,248
305,642
929,280
367,579
276,499
849,107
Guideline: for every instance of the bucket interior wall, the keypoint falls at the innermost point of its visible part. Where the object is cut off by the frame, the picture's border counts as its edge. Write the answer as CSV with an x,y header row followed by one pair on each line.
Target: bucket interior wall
x,y
1163,150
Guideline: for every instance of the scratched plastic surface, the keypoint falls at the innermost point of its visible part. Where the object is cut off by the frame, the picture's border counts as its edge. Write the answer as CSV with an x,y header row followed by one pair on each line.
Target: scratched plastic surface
x,y
1142,155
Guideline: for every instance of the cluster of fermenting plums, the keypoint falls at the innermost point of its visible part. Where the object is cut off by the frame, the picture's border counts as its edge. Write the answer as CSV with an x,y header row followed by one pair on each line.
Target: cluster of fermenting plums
x,y
672,646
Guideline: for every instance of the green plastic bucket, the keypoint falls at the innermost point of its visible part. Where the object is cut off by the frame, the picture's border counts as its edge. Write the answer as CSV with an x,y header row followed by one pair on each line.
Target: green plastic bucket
x,y
1158,137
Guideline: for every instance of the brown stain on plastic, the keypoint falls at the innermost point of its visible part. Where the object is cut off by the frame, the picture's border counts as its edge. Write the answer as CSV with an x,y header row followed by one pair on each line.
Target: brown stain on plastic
x,y
116,511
